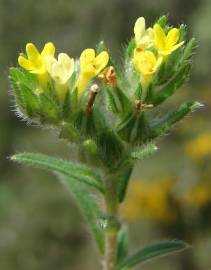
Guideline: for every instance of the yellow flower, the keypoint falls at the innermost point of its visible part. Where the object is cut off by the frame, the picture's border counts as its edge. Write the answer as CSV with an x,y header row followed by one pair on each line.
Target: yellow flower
x,y
90,66
198,196
146,63
166,44
35,61
199,147
143,36
60,70
149,200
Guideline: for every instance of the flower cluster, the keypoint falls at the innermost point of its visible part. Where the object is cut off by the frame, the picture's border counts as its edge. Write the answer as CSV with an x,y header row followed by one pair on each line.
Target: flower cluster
x,y
45,64
103,105
153,46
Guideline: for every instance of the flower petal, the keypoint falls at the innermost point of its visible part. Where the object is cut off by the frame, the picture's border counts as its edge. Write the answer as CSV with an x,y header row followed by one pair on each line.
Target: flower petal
x,y
66,61
159,37
87,56
101,61
49,62
48,50
32,52
172,37
139,29
25,63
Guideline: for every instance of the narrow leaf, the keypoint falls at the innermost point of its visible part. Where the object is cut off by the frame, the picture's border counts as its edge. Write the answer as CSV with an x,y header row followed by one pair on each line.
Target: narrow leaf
x,y
122,245
147,150
154,250
89,207
73,170
123,180
165,123
170,88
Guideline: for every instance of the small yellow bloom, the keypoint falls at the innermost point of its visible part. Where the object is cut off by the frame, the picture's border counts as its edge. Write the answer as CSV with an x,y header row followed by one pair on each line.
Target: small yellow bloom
x,y
60,70
198,196
90,66
199,147
146,63
35,62
143,36
166,44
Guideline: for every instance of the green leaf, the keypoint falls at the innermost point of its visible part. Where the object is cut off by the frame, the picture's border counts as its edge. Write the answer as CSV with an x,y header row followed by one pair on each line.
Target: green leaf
x,y
165,123
122,245
153,251
90,208
147,150
170,88
75,171
123,180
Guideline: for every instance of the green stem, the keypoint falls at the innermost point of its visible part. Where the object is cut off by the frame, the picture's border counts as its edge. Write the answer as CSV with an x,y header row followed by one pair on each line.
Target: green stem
x,y
111,201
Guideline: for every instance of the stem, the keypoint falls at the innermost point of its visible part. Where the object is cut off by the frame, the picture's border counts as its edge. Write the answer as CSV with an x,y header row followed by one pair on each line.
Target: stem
x,y
111,201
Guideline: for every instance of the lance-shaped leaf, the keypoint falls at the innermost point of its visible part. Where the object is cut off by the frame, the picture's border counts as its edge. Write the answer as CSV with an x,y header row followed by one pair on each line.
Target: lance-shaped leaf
x,y
75,171
123,179
153,251
170,88
147,150
122,245
188,51
89,207
165,123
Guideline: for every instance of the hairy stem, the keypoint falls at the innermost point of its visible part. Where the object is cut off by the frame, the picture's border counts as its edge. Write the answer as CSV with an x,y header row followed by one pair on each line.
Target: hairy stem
x,y
111,201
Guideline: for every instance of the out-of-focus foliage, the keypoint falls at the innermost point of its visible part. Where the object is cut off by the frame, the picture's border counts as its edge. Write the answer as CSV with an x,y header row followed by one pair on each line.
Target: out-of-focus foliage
x,y
31,207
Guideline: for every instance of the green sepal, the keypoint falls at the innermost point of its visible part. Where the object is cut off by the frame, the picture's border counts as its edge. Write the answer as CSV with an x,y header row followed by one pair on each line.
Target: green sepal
x,y
171,87
187,52
162,125
153,251
89,124
31,101
111,99
131,47
90,146
110,147
13,77
134,128
162,21
69,132
122,245
66,107
101,47
49,109
138,92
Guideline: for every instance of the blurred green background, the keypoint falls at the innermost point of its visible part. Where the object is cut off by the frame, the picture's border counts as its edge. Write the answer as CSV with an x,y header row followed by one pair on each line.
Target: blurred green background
x,y
40,226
